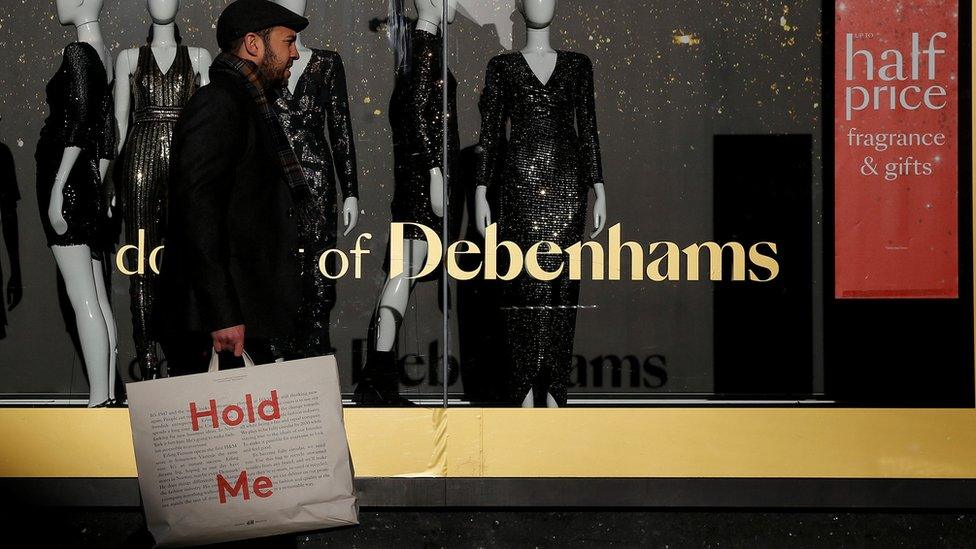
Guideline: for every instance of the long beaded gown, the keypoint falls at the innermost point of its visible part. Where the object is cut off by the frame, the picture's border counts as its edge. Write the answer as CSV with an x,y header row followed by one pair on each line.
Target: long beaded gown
x,y
417,124
543,173
319,106
158,98
80,102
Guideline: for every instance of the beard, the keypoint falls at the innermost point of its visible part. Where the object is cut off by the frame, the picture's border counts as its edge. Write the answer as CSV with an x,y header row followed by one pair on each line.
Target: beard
x,y
273,70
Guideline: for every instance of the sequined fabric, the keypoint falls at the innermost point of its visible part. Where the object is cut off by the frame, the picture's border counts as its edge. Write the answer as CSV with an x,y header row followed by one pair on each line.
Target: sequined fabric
x,y
319,106
543,173
417,123
80,103
157,100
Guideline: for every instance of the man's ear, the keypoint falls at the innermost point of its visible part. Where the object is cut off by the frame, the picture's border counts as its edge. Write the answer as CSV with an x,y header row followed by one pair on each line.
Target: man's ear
x,y
253,44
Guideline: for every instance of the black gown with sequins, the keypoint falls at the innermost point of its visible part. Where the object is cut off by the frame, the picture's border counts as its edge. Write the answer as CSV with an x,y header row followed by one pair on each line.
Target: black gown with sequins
x,y
319,107
158,98
81,115
417,124
543,172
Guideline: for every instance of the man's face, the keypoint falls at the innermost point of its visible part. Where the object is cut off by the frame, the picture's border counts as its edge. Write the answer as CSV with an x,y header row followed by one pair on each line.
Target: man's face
x,y
279,53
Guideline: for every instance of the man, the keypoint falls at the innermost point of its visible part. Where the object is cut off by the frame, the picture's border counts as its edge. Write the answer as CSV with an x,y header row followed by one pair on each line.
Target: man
x,y
230,276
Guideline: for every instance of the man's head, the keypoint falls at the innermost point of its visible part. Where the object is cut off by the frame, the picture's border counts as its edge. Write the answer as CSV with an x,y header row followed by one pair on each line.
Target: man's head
x,y
272,50
262,32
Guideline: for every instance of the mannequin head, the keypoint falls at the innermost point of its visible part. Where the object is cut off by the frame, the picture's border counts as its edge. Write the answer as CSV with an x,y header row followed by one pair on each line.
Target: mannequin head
x,y
433,10
297,6
78,12
538,13
163,12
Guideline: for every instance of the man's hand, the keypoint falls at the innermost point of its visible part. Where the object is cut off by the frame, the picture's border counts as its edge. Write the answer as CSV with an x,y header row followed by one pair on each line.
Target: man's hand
x,y
229,339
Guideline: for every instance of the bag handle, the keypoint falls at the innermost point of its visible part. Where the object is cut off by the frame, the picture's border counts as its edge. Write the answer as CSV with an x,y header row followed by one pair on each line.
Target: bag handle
x,y
215,361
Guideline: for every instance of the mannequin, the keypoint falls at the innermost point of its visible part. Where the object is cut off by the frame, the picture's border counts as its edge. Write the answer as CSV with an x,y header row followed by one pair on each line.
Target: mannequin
x,y
315,104
415,115
161,76
548,98
72,159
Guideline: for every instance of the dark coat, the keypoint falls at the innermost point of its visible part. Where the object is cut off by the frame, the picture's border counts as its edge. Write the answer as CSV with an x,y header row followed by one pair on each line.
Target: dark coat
x,y
231,237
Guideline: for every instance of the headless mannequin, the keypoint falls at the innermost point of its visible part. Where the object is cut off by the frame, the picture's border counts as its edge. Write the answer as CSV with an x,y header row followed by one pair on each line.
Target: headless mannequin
x,y
541,58
350,206
380,385
396,291
164,49
82,275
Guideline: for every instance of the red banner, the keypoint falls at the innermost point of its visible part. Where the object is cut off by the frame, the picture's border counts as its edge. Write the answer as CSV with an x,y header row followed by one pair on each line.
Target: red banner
x,y
896,149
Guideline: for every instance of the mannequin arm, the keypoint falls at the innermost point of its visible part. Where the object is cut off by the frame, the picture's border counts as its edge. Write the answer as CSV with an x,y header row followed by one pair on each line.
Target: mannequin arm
x,y
350,214
102,172
482,211
599,210
54,214
203,65
437,192
122,98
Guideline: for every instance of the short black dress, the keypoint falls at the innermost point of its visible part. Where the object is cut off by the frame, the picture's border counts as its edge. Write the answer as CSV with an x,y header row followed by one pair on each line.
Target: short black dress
x,y
81,115
417,123
543,175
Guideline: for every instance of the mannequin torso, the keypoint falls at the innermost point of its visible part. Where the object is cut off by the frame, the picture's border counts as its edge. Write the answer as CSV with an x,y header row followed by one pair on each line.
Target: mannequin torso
x,y
165,47
539,54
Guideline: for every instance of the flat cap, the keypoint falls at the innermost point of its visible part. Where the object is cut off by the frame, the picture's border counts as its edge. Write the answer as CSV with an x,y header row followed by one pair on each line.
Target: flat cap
x,y
243,16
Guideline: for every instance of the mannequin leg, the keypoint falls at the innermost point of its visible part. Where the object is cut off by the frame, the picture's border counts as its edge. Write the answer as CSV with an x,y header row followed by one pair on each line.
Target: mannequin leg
x,y
75,264
396,295
109,317
142,293
381,378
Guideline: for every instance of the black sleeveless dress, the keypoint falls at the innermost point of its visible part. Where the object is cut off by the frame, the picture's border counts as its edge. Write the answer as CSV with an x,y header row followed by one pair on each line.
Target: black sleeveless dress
x,y
81,115
158,98
543,174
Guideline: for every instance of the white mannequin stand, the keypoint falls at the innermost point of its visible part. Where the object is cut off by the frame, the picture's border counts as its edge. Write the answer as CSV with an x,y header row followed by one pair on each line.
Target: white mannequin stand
x,y
164,50
396,292
82,275
541,58
350,206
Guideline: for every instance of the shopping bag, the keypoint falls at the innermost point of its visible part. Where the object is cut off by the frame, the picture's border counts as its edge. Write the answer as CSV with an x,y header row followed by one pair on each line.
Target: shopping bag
x,y
242,453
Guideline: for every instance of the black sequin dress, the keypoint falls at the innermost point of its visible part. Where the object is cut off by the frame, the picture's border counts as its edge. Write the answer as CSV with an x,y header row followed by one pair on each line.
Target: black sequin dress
x,y
81,115
544,173
319,106
417,123
158,98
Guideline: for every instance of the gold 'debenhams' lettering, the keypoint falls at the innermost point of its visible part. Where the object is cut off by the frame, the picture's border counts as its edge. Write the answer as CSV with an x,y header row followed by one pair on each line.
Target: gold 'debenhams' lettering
x,y
664,261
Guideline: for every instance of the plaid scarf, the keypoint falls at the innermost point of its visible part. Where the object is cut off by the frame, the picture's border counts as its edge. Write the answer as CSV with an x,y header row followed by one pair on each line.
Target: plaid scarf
x,y
247,74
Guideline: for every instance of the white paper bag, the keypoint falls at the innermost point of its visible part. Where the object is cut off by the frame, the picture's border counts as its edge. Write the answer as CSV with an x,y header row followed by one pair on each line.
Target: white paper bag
x,y
243,453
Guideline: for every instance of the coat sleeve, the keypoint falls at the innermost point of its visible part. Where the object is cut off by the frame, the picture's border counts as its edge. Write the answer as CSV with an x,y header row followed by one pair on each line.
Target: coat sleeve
x,y
493,116
340,131
591,167
425,105
83,105
207,143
